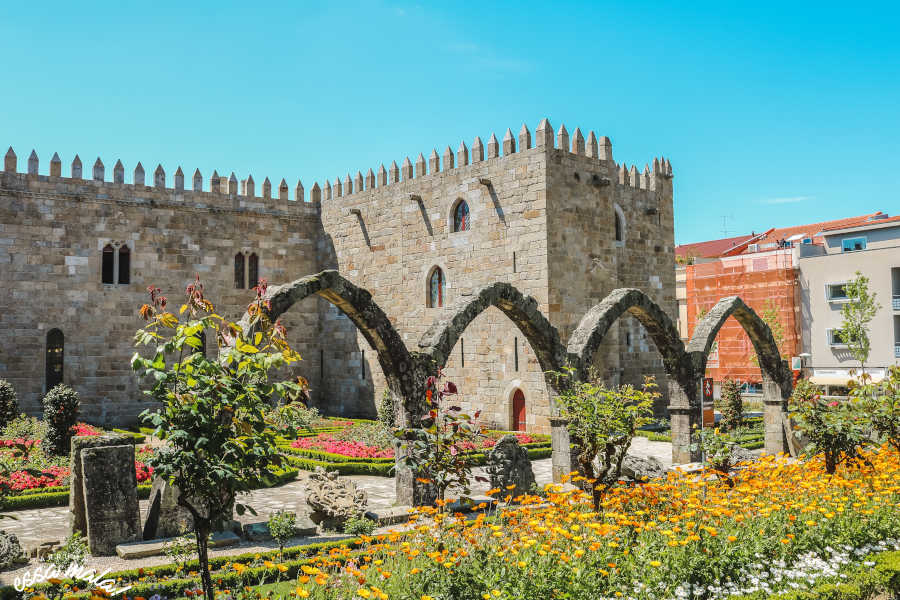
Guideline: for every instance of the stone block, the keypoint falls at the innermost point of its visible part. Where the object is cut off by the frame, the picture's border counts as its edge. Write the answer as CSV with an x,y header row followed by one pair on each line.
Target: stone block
x,y
143,549
110,497
390,515
165,517
77,519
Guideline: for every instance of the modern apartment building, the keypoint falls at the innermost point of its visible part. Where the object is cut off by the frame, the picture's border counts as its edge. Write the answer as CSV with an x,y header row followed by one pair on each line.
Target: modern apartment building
x,y
871,248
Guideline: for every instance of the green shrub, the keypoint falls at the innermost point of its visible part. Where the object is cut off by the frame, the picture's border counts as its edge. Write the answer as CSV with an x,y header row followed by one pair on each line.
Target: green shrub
x,y
73,552
60,413
359,526
386,410
9,403
281,526
25,427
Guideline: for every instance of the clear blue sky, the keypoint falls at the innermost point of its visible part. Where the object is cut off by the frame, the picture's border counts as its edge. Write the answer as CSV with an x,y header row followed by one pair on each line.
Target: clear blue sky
x,y
771,113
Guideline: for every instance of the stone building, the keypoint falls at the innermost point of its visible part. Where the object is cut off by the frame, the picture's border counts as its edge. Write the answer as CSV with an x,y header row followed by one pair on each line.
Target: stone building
x,y
554,216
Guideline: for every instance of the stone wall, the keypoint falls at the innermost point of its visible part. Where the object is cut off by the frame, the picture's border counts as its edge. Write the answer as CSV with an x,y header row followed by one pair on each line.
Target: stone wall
x,y
52,233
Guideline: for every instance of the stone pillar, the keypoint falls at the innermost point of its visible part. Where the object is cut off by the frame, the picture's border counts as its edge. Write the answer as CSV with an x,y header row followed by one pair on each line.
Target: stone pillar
x,y
77,519
111,508
684,413
774,412
563,457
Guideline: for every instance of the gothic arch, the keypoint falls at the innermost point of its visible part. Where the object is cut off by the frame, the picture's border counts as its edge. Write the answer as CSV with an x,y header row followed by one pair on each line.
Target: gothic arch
x,y
522,310
357,304
770,361
597,321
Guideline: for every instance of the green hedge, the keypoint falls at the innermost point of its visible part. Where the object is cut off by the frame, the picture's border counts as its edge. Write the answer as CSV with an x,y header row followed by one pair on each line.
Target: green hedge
x,y
139,438
59,496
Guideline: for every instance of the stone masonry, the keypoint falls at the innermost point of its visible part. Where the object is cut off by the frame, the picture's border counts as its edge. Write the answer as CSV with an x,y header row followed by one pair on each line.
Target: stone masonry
x,y
543,218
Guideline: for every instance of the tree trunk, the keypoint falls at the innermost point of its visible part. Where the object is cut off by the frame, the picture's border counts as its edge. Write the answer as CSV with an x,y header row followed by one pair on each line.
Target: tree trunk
x,y
202,529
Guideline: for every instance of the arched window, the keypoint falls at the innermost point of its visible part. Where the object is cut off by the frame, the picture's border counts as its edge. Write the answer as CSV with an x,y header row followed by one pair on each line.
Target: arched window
x,y
53,366
619,219
108,268
253,271
124,265
239,271
461,216
436,287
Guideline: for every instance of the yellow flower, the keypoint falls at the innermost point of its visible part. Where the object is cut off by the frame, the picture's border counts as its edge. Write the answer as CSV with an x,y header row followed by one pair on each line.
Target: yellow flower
x,y
281,568
301,593
655,563
363,592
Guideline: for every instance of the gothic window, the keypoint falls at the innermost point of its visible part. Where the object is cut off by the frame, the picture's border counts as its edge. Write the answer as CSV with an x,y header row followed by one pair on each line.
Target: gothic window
x,y
124,265
436,288
253,271
53,374
108,269
618,228
461,216
239,271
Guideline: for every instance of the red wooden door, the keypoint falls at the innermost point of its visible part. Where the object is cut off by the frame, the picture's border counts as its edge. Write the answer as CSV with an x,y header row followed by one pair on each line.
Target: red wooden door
x,y
519,411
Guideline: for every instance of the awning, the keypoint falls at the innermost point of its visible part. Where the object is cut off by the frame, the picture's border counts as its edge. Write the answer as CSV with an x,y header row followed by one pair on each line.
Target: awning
x,y
841,380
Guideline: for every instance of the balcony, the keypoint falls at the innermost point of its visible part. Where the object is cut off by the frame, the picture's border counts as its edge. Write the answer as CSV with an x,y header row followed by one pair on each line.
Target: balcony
x,y
896,302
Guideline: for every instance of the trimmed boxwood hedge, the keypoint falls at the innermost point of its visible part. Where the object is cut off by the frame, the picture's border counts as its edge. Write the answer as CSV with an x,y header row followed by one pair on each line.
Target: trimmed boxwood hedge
x,y
59,495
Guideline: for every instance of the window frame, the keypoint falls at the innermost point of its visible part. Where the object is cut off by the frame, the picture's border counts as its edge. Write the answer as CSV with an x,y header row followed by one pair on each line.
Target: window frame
x,y
454,224
620,229
123,251
830,297
864,239
61,360
830,333
108,261
442,287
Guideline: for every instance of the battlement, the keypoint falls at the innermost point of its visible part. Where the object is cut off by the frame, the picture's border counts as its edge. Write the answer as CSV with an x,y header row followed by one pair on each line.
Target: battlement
x,y
599,149
223,192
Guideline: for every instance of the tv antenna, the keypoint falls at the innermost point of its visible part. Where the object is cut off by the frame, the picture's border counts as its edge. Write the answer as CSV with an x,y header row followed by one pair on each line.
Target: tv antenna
x,y
725,224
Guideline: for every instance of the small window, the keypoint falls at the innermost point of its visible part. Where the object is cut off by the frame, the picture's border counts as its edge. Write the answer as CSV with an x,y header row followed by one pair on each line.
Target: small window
x,y
53,373
108,268
239,271
436,288
619,225
253,271
124,265
835,339
836,292
853,244
618,228
461,216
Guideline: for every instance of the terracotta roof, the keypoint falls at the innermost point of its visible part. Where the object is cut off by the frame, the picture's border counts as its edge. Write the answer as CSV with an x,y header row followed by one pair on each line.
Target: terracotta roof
x,y
865,223
770,240
711,248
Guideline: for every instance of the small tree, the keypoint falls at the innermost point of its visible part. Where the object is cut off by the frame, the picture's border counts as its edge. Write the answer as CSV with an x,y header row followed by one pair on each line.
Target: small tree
x,y
857,313
386,410
60,413
281,526
435,450
732,405
836,429
213,412
9,403
881,403
602,422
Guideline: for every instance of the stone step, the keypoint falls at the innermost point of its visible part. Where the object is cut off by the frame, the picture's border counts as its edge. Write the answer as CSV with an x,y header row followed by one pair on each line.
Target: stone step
x,y
390,515
258,532
132,550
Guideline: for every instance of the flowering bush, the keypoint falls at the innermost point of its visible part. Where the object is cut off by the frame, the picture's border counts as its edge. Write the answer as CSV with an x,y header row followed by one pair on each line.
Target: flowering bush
x,y
327,443
83,430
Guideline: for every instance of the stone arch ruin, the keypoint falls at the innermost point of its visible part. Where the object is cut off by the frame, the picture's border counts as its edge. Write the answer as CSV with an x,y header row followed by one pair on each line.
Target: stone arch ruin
x,y
407,371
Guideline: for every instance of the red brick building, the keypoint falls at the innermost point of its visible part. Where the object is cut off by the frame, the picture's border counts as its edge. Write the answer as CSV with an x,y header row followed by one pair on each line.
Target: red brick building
x,y
761,269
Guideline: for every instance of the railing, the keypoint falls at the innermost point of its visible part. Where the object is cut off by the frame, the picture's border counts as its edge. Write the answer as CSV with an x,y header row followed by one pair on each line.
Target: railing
x,y
896,302
897,350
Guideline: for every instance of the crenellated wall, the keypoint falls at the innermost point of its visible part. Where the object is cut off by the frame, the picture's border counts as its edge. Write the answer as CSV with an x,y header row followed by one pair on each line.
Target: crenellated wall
x,y
542,217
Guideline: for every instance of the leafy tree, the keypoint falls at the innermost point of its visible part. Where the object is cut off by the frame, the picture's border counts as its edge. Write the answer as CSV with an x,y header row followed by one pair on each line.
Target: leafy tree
x,y
436,450
387,410
717,445
881,404
857,313
213,411
60,413
732,405
602,423
837,429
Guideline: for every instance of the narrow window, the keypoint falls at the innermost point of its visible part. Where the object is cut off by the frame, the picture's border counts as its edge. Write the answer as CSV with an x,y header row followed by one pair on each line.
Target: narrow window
x,y
53,374
514,262
516,352
436,285
362,364
462,352
461,216
124,265
107,271
618,228
253,271
239,271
